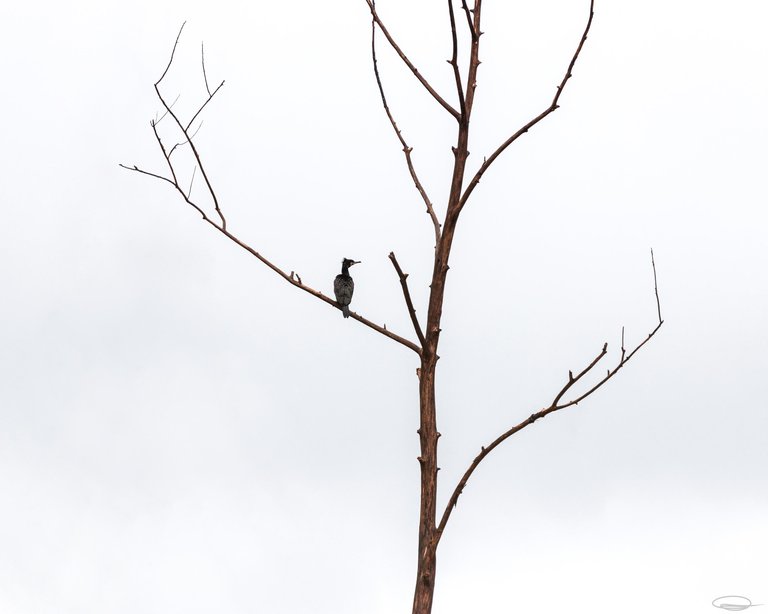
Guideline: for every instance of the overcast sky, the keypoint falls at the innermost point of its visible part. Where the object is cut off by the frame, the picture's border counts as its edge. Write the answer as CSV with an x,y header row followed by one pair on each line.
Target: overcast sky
x,y
183,432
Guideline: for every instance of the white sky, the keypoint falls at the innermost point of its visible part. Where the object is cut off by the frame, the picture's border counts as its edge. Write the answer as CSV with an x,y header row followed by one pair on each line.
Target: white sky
x,y
181,431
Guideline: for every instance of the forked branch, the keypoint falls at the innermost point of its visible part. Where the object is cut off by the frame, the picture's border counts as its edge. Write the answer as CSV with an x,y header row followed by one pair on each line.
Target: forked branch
x,y
185,129
221,224
556,405
406,149
409,64
550,109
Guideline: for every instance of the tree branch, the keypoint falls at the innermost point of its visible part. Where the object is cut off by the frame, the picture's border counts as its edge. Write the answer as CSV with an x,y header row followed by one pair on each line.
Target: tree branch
x,y
205,76
185,130
170,152
173,52
552,108
404,58
556,405
454,60
143,172
474,61
293,279
655,285
175,181
467,12
406,293
221,226
406,149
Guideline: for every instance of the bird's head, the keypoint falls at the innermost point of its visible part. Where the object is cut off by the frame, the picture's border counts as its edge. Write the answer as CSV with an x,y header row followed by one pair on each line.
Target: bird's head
x,y
348,262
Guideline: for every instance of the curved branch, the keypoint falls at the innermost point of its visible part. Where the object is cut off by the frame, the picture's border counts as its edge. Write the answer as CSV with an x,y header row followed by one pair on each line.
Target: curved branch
x,y
173,52
408,302
556,405
409,64
550,109
406,149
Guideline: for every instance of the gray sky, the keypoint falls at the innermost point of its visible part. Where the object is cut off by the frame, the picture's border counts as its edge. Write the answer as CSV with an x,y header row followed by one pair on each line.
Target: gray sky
x,y
181,431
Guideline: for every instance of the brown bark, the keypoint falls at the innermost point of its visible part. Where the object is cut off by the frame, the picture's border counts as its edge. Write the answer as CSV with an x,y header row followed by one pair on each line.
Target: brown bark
x,y
428,435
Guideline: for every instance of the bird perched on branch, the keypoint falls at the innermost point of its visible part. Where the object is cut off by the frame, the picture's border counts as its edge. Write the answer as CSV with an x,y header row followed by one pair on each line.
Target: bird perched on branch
x,y
343,286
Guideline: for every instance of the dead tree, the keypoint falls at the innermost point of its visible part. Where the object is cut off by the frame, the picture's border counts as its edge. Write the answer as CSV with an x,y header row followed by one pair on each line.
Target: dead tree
x,y
575,389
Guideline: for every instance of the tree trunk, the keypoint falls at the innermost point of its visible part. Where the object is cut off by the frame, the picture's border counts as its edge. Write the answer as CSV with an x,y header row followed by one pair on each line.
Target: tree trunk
x,y
428,435
428,538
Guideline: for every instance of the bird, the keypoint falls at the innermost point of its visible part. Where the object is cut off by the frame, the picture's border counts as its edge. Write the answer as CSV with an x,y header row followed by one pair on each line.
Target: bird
x,y
343,286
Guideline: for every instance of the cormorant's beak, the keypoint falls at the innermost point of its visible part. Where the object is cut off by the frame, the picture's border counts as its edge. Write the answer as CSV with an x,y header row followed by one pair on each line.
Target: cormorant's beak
x,y
356,262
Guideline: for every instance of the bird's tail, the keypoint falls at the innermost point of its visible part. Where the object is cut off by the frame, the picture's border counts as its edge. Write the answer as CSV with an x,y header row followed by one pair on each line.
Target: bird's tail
x,y
345,310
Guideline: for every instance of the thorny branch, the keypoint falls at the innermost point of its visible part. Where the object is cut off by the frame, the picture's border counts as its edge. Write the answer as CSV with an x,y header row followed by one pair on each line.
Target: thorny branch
x,y
221,225
406,293
550,109
404,58
406,149
555,405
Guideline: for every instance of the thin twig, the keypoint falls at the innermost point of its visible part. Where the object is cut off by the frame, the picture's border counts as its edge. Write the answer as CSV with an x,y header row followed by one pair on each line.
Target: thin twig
x,y
656,287
573,380
194,117
170,152
623,349
474,61
205,77
556,405
173,52
552,107
406,149
472,29
185,131
157,121
143,172
192,146
409,64
408,302
454,60
175,181
191,182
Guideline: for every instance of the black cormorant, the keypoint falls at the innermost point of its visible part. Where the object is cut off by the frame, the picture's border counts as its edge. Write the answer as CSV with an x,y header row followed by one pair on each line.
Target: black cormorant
x,y
343,286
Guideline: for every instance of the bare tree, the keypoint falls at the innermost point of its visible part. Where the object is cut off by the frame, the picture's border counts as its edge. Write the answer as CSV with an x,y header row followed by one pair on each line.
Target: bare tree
x,y
575,389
